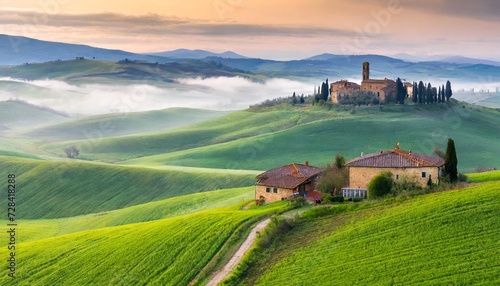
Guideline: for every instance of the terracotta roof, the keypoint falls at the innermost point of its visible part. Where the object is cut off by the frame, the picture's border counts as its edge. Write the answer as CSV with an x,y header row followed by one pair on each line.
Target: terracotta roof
x,y
386,81
395,158
289,176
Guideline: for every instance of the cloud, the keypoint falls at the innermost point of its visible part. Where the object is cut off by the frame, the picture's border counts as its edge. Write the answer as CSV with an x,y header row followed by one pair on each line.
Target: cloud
x,y
221,93
155,24
480,9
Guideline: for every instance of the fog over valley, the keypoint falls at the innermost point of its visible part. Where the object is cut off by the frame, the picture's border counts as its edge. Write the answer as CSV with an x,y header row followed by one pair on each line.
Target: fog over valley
x,y
217,93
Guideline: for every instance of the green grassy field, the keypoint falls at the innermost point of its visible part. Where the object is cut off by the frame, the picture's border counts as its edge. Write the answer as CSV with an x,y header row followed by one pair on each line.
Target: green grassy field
x,y
484,176
437,239
243,124
16,115
48,189
272,137
170,251
45,228
318,142
98,127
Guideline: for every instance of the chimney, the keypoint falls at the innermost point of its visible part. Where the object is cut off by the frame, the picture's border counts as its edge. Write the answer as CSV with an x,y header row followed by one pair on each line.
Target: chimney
x,y
307,163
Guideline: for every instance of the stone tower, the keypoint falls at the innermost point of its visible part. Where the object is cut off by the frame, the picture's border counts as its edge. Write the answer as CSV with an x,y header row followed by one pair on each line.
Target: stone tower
x,y
366,70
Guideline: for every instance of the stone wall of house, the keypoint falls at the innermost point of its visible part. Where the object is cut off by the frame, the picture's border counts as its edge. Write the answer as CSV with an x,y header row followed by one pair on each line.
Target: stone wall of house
x,y
359,177
272,196
382,88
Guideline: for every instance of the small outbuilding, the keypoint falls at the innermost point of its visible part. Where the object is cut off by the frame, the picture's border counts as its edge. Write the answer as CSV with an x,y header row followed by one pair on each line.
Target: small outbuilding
x,y
286,182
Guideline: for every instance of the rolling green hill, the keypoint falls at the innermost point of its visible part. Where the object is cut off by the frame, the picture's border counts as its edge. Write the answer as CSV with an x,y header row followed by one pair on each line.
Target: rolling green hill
x,y
101,126
243,124
438,239
16,115
268,138
126,71
63,189
186,204
171,251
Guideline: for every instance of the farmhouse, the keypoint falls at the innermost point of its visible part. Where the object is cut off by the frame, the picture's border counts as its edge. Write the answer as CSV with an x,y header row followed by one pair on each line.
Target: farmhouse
x,y
286,181
383,88
341,89
362,169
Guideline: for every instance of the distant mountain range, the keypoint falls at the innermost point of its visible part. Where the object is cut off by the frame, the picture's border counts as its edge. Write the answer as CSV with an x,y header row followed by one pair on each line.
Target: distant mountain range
x,y
197,54
16,50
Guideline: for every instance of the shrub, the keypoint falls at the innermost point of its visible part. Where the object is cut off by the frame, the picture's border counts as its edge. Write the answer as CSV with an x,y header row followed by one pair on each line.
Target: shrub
x,y
380,185
406,185
336,199
462,178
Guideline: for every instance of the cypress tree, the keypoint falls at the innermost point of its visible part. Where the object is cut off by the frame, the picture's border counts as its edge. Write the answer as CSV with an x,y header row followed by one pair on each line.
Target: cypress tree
x,y
448,91
439,95
450,161
415,93
421,92
400,95
428,94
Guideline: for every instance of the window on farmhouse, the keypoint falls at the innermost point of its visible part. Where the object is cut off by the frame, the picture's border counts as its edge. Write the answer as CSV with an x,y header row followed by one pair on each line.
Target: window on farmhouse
x,y
397,177
424,175
268,190
275,190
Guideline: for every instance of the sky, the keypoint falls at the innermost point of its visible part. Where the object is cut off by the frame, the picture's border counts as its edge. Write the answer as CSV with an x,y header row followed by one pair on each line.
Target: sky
x,y
277,29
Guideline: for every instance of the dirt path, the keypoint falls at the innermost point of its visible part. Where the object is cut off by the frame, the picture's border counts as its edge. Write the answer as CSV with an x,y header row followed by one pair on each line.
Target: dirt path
x,y
239,254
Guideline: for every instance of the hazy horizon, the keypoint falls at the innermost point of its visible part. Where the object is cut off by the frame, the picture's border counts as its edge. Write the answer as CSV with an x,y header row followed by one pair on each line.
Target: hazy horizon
x,y
281,30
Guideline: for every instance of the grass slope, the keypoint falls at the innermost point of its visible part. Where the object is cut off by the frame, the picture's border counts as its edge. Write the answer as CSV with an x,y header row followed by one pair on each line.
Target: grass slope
x,y
437,239
243,124
64,189
98,127
96,71
44,228
419,129
484,176
171,251
15,115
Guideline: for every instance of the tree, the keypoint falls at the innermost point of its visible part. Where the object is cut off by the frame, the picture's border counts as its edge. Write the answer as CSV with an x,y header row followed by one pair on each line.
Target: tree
x,y
421,89
415,93
428,93
443,96
72,152
302,99
439,95
294,99
380,185
339,161
450,161
324,90
334,177
439,152
448,92
400,93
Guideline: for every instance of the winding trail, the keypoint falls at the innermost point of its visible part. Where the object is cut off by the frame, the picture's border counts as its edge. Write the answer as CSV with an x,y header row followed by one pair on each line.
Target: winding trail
x,y
239,254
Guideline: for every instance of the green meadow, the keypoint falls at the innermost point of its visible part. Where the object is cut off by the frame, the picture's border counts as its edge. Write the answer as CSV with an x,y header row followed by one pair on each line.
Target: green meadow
x,y
262,139
110,125
164,197
51,189
169,251
448,238
37,229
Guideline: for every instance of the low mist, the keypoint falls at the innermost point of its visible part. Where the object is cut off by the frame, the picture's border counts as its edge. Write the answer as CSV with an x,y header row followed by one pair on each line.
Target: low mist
x,y
219,93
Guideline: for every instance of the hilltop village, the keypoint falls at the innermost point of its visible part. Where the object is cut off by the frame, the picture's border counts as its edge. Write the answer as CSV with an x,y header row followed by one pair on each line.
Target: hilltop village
x,y
369,92
381,91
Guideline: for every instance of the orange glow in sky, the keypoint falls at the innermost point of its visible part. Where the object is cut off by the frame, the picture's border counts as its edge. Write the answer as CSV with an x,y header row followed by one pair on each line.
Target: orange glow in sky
x,y
280,29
